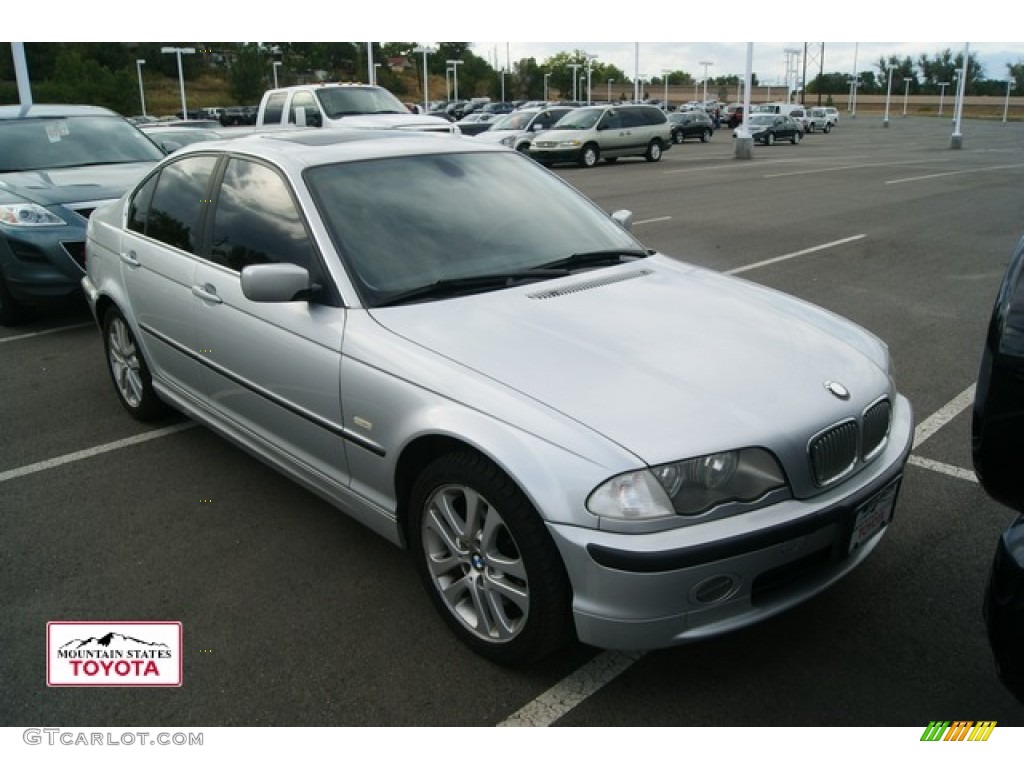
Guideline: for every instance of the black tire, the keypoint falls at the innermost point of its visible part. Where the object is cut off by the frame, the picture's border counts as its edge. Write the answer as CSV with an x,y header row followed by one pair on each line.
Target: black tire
x,y
827,128
677,137
653,153
11,312
498,582
810,127
769,138
589,156
128,369
705,137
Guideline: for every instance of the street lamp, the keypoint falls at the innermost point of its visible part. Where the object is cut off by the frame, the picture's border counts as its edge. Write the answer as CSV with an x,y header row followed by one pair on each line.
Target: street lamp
x,y
942,95
142,93
455,75
666,73
590,63
956,141
906,93
277,64
574,68
503,85
610,81
706,64
181,76
546,76
424,49
376,66
888,94
1006,104
448,84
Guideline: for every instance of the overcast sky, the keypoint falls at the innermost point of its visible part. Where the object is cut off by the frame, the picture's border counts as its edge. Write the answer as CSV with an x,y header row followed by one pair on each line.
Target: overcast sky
x,y
537,25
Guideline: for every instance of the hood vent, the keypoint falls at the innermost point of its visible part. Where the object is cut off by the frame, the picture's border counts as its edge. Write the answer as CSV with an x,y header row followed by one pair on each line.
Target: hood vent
x,y
586,285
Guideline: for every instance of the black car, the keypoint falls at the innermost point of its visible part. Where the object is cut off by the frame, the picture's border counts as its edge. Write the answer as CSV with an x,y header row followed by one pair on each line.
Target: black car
x,y
693,124
997,448
767,128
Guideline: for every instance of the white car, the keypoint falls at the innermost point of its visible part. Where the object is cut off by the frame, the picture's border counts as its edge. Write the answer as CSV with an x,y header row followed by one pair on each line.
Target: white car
x,y
517,129
819,119
573,435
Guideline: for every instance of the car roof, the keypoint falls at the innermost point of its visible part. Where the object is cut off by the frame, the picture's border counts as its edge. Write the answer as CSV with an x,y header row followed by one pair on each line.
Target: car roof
x,y
299,148
20,111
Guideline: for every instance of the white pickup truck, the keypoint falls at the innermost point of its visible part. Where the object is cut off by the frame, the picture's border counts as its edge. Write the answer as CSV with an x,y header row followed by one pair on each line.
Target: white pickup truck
x,y
343,105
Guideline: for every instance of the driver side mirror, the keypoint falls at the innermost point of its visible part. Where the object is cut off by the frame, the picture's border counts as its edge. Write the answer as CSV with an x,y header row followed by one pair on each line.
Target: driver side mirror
x,y
274,283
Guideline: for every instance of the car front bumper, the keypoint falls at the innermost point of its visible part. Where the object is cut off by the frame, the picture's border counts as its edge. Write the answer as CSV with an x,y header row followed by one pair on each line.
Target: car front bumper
x,y
654,590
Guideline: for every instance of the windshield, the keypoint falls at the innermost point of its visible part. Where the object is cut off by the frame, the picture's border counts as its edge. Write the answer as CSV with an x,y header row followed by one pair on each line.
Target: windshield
x,y
363,100
36,144
580,119
514,121
762,119
403,223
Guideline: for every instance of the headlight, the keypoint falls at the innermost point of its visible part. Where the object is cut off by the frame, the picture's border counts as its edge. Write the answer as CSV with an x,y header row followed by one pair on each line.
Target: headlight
x,y
28,215
689,487
569,143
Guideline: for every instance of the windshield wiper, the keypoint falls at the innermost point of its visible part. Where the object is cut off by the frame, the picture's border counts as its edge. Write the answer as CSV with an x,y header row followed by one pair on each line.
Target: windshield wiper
x,y
459,286
594,258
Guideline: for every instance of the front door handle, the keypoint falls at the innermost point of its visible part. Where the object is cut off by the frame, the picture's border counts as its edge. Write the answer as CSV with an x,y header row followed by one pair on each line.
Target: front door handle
x,y
207,293
131,259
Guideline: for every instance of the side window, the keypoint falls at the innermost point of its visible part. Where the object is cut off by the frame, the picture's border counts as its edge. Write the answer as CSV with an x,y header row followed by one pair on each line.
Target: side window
x,y
305,100
632,118
256,220
138,209
274,109
179,200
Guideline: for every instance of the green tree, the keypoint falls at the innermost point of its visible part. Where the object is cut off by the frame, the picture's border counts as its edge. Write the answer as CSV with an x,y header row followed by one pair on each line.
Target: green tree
x,y
80,79
247,74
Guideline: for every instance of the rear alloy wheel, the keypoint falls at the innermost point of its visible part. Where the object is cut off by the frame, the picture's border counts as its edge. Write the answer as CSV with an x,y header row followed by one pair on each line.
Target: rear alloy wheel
x,y
796,137
128,369
810,127
487,561
706,136
653,151
589,156
677,137
769,139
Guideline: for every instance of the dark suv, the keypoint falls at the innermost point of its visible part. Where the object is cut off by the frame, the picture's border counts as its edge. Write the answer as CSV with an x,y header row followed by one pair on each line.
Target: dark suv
x,y
694,124
997,447
58,163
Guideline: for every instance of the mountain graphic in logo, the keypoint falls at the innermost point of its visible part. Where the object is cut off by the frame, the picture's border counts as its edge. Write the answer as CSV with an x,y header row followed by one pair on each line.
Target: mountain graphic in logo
x,y
110,641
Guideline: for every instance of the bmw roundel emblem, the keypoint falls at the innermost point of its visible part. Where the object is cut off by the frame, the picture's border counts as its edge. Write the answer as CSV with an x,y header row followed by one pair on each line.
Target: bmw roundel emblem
x,y
838,390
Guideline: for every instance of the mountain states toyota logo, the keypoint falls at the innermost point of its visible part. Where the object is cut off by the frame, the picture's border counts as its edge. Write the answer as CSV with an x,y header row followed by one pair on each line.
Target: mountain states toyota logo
x,y
113,653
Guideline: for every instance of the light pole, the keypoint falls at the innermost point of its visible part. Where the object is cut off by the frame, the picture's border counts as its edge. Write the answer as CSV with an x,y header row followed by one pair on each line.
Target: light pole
x,y
706,64
425,49
181,76
906,93
574,68
610,81
1006,104
277,64
369,62
956,141
142,93
503,85
455,75
590,65
888,94
942,95
376,66
448,84
546,76
583,79
666,73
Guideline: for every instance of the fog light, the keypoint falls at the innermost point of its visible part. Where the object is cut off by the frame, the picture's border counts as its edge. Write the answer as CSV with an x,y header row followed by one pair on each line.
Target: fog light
x,y
715,589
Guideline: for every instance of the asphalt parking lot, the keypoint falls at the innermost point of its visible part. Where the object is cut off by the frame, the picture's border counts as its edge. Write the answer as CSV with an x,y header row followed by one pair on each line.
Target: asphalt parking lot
x,y
295,615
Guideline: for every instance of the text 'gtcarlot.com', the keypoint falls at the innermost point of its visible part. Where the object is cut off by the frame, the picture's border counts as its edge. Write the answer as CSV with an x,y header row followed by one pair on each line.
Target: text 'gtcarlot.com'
x,y
59,736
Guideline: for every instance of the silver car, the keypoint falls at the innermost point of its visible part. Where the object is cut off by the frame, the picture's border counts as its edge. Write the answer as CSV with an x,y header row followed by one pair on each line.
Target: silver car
x,y
575,436
589,134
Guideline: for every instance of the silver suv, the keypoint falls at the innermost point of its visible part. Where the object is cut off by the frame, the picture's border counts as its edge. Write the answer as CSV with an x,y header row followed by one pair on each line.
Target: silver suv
x,y
588,134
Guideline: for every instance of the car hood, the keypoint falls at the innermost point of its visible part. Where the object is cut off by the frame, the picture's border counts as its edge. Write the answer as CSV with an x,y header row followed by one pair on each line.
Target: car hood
x,y
74,185
497,136
666,360
408,122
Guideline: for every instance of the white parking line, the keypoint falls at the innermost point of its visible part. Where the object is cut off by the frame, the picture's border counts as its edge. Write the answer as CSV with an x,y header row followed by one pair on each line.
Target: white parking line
x,y
566,694
88,453
834,168
46,332
652,221
788,256
943,416
955,173
943,468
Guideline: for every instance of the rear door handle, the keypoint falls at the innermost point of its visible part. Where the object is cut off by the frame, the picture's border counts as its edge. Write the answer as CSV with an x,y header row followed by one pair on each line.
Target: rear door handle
x,y
207,293
131,259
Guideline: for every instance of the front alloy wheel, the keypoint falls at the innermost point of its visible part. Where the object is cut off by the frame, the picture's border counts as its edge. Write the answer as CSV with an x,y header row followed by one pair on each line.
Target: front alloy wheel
x,y
589,156
487,561
653,152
